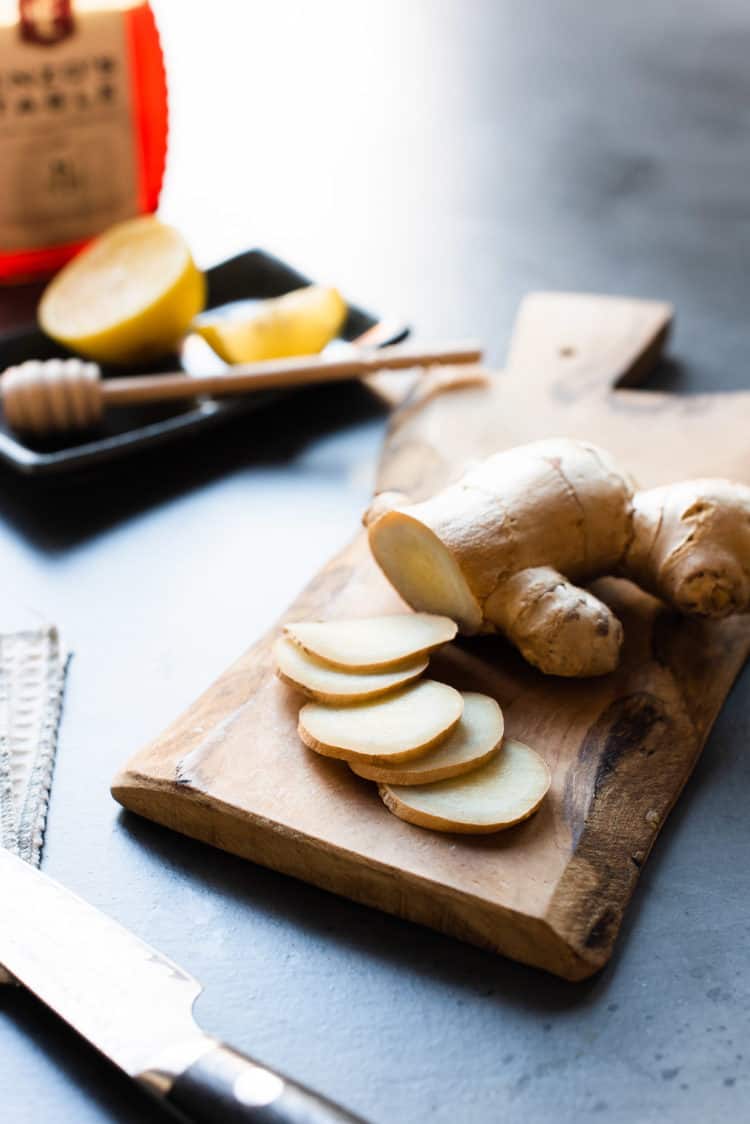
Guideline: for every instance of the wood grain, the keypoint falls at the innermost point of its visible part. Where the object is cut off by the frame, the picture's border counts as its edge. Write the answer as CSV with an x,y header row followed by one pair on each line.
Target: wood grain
x,y
552,891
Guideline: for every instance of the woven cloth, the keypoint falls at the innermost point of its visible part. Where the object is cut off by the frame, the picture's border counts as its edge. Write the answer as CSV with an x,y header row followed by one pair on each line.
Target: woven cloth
x,y
33,664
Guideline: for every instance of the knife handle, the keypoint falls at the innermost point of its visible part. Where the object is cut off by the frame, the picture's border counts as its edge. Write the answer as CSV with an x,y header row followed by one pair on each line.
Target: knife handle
x,y
225,1087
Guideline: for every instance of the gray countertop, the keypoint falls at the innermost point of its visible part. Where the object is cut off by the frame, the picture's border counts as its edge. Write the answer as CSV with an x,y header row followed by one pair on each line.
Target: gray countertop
x,y
437,160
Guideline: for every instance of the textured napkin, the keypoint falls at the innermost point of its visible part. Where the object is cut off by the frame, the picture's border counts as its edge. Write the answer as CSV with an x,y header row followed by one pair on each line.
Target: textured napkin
x,y
32,679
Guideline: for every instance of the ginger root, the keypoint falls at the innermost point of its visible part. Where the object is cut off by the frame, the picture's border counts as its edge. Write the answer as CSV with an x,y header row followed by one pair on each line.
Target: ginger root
x,y
475,739
426,737
505,791
327,684
400,726
372,643
506,547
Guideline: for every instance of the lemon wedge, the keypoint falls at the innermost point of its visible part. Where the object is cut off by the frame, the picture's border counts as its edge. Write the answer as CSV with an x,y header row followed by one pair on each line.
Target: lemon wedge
x,y
130,296
299,323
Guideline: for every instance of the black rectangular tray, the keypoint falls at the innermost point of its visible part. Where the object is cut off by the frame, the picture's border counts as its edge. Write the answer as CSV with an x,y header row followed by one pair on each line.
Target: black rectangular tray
x,y
253,275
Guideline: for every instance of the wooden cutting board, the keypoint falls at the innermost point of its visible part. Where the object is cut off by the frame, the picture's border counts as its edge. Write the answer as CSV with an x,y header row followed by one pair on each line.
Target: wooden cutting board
x,y
552,891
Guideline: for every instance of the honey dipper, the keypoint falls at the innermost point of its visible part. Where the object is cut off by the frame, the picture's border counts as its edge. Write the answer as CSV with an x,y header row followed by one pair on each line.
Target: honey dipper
x,y
55,395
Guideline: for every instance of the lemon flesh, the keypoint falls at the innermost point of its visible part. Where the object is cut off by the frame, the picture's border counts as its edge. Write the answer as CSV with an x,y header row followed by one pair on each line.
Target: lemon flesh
x,y
130,296
299,323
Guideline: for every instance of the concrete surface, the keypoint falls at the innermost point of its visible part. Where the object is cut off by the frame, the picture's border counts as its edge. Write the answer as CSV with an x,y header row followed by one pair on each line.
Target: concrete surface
x,y
436,160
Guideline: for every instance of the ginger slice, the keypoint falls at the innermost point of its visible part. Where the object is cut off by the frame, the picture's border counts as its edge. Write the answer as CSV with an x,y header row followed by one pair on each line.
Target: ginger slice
x,y
395,728
328,684
372,643
502,793
476,738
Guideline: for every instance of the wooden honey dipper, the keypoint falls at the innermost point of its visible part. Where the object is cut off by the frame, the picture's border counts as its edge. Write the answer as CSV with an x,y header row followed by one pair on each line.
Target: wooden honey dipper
x,y
55,395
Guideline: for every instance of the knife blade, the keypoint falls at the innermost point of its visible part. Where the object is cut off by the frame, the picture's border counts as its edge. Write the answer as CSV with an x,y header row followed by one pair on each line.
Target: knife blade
x,y
135,1006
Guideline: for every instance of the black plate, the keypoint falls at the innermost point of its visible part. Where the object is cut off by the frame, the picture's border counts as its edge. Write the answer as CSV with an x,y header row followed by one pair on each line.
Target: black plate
x,y
253,275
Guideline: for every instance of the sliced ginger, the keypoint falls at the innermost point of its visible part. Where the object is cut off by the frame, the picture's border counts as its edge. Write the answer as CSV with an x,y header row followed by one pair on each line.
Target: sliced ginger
x,y
396,728
372,643
502,793
476,738
438,756
328,684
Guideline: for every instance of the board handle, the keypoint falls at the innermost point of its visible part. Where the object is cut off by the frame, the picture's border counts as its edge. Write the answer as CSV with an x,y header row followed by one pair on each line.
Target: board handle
x,y
226,1087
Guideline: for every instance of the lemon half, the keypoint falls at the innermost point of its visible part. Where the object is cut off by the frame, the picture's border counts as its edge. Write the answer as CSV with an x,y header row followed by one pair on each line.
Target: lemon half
x,y
299,323
130,296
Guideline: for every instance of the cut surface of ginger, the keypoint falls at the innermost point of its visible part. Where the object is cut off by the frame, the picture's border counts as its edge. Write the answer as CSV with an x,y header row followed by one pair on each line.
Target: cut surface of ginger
x,y
372,643
473,742
422,570
497,795
395,728
329,684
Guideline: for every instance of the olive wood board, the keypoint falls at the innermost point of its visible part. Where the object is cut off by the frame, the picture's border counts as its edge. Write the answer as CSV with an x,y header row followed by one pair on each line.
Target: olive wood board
x,y
551,892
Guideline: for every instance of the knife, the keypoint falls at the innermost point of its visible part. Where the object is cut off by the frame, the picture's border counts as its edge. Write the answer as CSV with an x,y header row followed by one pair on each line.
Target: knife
x,y
135,1006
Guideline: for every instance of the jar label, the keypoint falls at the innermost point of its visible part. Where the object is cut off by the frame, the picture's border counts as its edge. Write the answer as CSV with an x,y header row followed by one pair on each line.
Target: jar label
x,y
68,166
